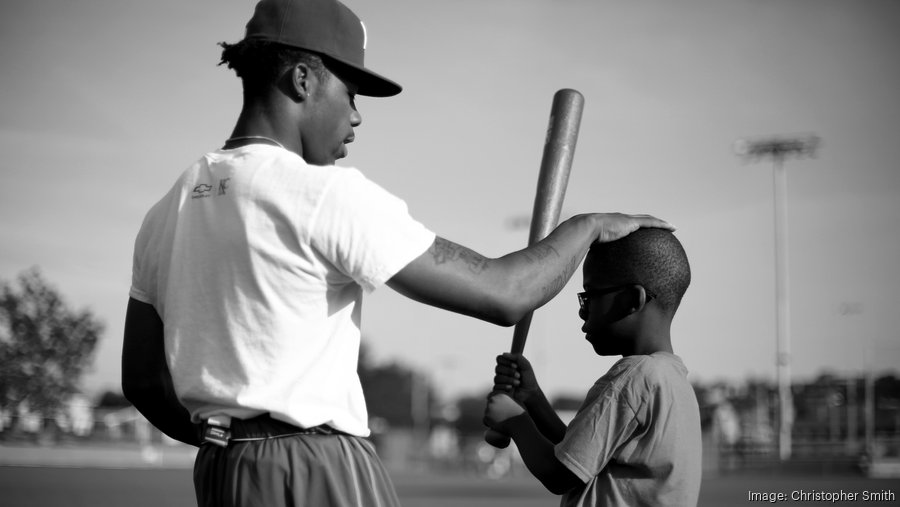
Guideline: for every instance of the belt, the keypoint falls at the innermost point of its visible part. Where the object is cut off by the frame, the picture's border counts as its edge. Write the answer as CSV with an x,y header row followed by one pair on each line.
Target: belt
x,y
222,430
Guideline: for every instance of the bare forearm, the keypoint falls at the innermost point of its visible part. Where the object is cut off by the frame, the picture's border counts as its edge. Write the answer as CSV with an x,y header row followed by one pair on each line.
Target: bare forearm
x,y
501,290
166,414
149,388
146,380
505,289
538,454
545,418
536,274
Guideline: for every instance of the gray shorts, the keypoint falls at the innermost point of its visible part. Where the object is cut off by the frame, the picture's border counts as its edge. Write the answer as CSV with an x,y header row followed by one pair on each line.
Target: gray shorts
x,y
283,468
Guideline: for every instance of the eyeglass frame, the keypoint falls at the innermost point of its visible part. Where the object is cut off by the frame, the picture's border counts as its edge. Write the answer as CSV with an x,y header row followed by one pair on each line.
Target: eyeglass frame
x,y
585,297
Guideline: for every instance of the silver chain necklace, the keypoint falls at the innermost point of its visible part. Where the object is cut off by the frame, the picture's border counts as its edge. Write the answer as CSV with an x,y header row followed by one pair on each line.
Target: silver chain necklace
x,y
261,138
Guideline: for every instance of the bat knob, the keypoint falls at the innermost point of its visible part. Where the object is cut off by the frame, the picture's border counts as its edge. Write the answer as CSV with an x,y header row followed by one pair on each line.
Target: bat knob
x,y
497,439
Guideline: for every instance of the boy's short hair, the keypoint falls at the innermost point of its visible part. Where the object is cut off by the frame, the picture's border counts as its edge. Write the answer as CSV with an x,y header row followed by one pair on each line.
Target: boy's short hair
x,y
651,257
260,64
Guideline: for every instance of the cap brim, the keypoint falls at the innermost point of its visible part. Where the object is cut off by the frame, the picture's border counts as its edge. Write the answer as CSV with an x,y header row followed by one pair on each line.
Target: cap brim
x,y
368,83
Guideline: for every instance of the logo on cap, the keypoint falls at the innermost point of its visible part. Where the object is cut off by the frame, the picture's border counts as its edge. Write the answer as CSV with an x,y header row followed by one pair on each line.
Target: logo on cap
x,y
365,35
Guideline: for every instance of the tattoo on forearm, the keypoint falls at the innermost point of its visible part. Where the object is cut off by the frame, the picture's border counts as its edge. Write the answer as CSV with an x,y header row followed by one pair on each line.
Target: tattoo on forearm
x,y
540,251
446,251
560,281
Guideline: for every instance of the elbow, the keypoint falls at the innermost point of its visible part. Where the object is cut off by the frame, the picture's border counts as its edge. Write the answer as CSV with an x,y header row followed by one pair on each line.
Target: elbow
x,y
499,317
561,482
505,322
132,391
513,299
558,488
137,389
513,316
554,489
510,307
506,314
507,304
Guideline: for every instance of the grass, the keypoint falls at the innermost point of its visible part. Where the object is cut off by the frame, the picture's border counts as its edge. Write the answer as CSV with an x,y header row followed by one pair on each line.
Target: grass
x,y
98,487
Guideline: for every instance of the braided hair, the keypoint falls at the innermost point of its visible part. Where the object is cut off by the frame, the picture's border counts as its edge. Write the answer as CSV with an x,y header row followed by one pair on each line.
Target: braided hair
x,y
260,64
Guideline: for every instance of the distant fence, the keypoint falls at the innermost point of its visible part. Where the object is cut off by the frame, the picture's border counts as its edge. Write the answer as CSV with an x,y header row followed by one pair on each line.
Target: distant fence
x,y
116,425
125,436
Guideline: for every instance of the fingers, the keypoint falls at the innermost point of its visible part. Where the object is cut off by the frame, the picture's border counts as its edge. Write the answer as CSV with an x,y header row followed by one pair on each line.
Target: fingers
x,y
508,372
517,361
651,221
508,359
505,385
513,360
511,370
522,363
506,379
506,375
617,225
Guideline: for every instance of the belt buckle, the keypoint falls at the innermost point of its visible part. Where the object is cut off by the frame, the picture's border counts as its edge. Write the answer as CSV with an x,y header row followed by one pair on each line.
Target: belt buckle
x,y
218,431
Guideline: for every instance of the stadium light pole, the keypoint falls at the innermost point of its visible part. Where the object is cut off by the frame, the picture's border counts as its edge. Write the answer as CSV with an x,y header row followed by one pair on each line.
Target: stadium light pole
x,y
778,149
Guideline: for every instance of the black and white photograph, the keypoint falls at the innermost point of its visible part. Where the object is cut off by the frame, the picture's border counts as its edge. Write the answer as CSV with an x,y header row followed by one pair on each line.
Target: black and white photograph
x,y
423,253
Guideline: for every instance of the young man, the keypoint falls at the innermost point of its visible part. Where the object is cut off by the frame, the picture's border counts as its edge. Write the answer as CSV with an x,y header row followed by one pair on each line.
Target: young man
x,y
242,329
636,438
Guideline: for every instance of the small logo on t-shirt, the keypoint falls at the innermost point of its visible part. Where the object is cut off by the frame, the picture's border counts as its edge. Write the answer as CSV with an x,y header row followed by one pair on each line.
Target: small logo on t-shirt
x,y
223,186
201,190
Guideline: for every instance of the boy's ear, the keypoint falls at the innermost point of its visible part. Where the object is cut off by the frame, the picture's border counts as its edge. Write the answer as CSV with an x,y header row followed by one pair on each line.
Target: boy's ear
x,y
635,297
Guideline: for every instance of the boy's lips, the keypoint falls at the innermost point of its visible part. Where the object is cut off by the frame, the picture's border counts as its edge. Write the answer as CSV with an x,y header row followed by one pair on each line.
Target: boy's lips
x,y
342,152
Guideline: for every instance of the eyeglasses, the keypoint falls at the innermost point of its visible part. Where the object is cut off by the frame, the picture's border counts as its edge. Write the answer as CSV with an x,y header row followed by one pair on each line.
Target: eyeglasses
x,y
585,297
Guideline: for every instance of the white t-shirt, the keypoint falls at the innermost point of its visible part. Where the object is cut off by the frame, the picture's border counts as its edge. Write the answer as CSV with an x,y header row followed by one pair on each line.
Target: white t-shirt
x,y
636,439
256,262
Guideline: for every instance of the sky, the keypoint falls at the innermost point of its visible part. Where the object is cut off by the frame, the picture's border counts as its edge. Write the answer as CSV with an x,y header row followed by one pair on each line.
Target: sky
x,y
103,103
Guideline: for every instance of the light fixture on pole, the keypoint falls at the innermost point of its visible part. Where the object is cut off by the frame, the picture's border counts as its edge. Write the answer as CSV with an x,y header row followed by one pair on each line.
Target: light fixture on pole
x,y
779,148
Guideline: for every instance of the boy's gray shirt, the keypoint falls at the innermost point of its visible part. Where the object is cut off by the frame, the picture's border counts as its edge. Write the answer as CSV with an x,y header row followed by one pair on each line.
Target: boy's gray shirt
x,y
636,439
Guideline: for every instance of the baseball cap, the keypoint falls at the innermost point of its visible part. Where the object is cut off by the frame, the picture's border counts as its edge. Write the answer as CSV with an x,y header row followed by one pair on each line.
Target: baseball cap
x,y
326,27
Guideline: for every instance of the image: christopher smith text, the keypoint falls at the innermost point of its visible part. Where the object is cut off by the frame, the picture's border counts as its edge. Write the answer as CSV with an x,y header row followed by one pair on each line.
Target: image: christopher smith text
x,y
812,495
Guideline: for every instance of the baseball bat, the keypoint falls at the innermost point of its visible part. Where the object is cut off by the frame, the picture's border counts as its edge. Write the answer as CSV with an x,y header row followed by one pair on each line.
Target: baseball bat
x,y
556,163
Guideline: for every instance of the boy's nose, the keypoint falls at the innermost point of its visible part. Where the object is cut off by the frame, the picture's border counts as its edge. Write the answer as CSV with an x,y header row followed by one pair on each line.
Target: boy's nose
x,y
583,314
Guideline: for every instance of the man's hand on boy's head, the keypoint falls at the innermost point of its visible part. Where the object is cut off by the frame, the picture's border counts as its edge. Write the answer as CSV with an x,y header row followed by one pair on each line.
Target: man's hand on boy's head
x,y
514,376
613,226
499,410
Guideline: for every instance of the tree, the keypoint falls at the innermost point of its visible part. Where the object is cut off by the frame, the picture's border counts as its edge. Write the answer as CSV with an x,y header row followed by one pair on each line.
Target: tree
x,y
44,345
112,400
390,391
471,415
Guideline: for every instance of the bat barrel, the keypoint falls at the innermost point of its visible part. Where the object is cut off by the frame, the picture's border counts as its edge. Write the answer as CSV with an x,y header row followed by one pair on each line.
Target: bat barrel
x,y
556,162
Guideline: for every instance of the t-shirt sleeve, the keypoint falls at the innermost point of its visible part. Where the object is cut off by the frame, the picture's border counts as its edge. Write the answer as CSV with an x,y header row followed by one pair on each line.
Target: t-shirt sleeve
x,y
142,283
595,433
365,231
147,249
137,290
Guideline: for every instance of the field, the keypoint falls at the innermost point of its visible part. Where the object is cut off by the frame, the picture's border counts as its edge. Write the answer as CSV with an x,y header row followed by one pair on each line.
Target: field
x,y
98,487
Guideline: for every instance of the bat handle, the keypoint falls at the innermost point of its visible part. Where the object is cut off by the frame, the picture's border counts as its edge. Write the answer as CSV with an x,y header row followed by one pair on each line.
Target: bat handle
x,y
491,436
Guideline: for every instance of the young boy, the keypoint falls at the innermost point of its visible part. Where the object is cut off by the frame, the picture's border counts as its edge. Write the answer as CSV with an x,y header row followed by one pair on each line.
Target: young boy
x,y
636,438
